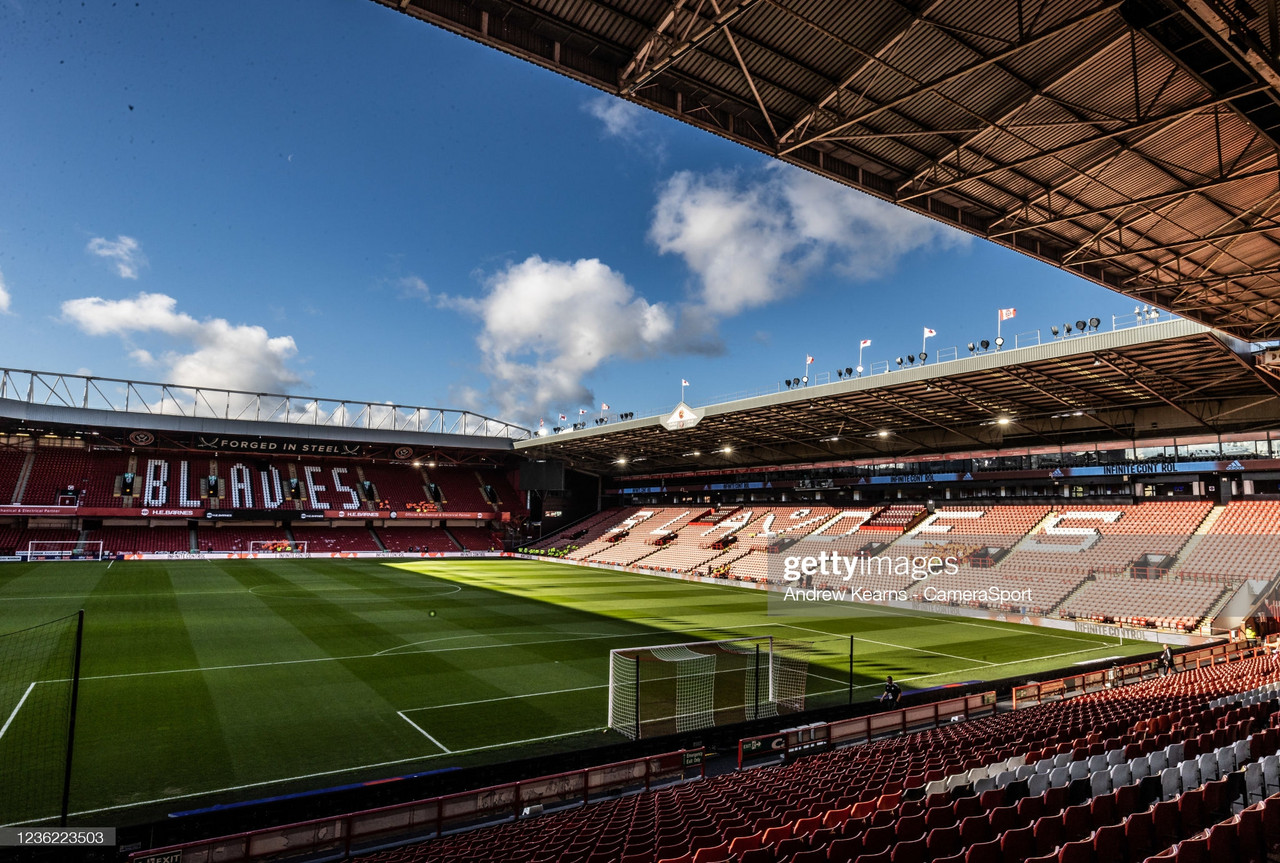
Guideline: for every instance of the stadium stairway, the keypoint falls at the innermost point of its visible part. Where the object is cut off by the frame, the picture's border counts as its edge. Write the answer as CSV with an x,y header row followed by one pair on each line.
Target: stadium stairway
x,y
1075,591
24,477
1205,527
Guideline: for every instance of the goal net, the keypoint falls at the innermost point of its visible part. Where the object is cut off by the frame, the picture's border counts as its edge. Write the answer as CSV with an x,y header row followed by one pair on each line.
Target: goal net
x,y
277,546
71,549
37,671
674,688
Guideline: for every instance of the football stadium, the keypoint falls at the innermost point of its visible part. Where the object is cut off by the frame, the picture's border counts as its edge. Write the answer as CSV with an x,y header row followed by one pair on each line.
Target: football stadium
x,y
1010,599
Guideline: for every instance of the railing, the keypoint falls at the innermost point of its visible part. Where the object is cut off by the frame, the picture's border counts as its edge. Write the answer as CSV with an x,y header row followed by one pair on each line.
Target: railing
x,y
114,394
1135,672
426,819
862,729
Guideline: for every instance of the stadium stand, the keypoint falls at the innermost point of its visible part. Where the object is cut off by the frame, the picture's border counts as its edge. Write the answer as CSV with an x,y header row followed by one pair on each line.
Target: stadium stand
x,y
15,539
476,538
1168,766
12,462
460,490
1241,543
224,537
53,471
136,540
416,539
1168,603
585,531
336,539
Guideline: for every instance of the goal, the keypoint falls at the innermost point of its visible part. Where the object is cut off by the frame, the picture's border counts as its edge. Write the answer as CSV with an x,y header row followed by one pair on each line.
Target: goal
x,y
276,546
70,549
673,688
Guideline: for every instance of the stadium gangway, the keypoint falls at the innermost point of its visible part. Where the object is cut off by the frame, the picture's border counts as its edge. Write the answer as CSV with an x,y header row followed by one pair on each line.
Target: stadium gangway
x,y
1037,692
821,736
402,823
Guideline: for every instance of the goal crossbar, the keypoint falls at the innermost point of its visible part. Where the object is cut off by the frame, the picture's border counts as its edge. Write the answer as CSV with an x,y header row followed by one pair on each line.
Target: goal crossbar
x,y
64,549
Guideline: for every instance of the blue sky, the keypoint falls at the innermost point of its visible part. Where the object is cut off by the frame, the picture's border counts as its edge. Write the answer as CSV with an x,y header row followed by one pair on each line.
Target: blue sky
x,y
330,198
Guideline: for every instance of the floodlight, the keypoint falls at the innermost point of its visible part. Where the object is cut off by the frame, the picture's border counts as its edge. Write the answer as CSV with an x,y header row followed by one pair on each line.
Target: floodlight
x,y
859,371
911,358
839,373
1080,325
923,356
1066,328
999,342
971,347
899,362
805,380
1094,323
848,371
984,344
1054,329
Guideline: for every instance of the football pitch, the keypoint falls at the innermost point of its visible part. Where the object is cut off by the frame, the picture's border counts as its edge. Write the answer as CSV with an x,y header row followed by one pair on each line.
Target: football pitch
x,y
210,681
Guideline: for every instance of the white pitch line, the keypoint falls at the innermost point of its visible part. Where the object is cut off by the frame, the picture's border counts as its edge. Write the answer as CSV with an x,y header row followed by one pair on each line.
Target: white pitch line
x,y
508,697
423,732
21,701
317,775
891,644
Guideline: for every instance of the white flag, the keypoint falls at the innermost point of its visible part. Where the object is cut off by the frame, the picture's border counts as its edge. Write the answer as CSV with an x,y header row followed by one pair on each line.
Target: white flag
x,y
865,343
683,382
603,406
928,333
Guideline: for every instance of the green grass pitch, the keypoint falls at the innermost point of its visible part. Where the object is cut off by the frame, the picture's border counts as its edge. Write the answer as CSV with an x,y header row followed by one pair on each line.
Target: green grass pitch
x,y
212,681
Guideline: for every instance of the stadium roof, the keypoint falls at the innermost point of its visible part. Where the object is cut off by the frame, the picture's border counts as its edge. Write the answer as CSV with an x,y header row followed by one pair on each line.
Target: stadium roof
x,y
1133,143
33,400
1143,383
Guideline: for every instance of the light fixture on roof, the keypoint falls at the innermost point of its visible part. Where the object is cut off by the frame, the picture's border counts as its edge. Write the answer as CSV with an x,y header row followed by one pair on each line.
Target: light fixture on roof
x,y
999,342
884,432
621,461
805,380
1094,323
849,371
923,356
1080,325
899,362
984,344
726,450
1003,421
972,347
859,371
911,359
1054,329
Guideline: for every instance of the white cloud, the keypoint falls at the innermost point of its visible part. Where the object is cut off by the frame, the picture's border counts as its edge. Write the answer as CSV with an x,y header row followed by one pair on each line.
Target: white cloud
x,y
545,325
207,353
4,296
751,242
416,287
620,118
123,251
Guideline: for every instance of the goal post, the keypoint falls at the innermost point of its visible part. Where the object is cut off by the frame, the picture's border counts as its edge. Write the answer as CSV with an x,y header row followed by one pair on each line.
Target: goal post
x,y
70,549
674,688
277,546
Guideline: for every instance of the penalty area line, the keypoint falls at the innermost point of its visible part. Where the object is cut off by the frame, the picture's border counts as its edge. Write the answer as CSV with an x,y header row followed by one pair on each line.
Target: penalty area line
x,y
424,733
21,701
